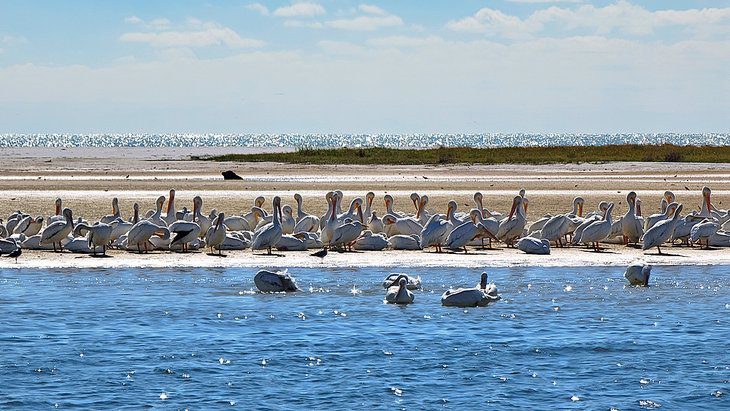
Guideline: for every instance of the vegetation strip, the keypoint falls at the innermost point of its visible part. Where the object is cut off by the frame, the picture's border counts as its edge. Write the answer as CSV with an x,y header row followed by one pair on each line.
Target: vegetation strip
x,y
501,155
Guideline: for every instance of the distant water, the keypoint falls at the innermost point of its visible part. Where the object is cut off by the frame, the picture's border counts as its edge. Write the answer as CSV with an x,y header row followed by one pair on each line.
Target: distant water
x,y
561,338
352,140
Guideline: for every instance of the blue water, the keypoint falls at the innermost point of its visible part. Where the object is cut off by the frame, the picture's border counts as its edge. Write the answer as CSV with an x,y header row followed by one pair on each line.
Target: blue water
x,y
561,338
357,140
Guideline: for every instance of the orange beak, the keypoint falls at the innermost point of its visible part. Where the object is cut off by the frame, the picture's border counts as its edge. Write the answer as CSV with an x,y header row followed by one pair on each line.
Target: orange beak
x,y
580,210
512,211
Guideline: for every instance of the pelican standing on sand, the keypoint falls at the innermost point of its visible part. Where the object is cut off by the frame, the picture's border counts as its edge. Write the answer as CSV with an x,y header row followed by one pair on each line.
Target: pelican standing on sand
x,y
116,213
267,236
305,221
99,235
598,231
59,230
141,232
513,226
216,234
662,231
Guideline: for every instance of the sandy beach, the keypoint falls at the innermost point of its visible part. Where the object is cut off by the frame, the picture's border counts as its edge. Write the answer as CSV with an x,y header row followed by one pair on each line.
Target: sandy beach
x,y
87,179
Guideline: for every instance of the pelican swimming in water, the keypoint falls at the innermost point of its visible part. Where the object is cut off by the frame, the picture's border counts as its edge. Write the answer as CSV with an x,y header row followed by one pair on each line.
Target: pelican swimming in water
x,y
267,236
638,274
399,294
275,282
98,235
662,231
59,230
414,283
479,296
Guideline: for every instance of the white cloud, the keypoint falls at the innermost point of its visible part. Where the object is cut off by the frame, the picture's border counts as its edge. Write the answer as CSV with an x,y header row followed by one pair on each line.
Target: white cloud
x,y
545,1
160,23
210,35
620,17
373,19
586,83
306,24
371,9
404,41
133,20
259,8
304,9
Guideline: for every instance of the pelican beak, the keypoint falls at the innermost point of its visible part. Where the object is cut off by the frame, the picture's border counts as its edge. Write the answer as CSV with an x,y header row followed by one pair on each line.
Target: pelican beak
x,y
638,209
580,209
512,211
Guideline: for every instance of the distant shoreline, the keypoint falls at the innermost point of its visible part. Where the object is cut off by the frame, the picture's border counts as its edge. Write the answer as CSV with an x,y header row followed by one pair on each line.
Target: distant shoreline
x,y
502,155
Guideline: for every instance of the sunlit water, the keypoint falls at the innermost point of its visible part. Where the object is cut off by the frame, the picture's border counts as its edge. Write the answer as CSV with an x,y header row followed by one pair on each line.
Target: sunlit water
x,y
355,140
561,338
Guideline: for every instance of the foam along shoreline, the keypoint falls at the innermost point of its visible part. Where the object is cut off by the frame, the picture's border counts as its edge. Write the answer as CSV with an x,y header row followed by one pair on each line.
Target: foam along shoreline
x,y
614,255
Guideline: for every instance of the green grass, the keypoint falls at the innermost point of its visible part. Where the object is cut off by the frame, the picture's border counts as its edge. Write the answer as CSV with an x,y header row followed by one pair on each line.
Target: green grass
x,y
506,155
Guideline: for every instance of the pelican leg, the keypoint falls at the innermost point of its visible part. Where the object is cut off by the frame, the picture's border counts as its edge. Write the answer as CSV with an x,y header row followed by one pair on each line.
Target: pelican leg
x,y
139,248
658,248
269,251
465,250
54,248
103,249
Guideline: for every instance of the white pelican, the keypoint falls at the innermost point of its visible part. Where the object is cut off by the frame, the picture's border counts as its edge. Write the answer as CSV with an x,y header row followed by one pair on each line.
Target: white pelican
x,y
183,233
422,215
305,222
8,245
98,235
558,226
703,231
58,216
237,223
405,242
661,231
631,224
34,243
267,236
156,217
375,224
491,224
532,245
296,242
479,296
414,283
369,198
287,220
198,217
598,230
171,215
513,226
460,236
638,274
329,197
116,213
141,232
331,223
435,232
216,234
399,294
388,199
370,242
666,213
275,282
29,226
59,230
251,217
347,233
234,241
486,213
394,225
352,212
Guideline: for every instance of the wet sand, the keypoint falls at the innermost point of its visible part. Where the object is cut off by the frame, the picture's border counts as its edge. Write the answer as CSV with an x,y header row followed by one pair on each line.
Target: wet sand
x,y
31,179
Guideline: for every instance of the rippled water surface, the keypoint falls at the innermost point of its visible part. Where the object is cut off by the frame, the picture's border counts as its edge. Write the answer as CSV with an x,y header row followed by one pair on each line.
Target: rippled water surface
x,y
355,140
561,338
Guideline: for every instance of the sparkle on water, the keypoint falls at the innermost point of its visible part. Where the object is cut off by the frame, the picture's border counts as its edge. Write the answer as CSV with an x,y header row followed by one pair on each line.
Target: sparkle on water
x,y
356,140
191,338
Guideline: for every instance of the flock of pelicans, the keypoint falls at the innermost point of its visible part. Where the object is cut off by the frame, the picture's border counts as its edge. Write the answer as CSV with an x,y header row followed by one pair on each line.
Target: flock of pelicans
x,y
360,227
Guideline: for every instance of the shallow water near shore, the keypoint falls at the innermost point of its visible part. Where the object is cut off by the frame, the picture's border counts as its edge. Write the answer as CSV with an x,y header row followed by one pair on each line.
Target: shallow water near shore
x,y
575,338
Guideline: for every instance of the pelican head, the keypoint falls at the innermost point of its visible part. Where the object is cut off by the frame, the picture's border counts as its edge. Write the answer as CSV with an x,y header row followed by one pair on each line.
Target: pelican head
x,y
259,201
638,207
415,198
483,281
369,197
522,192
672,209
388,219
578,204
388,199
298,198
287,210
669,196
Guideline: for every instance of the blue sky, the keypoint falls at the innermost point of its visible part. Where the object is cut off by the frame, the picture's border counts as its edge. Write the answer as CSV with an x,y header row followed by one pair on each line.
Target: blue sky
x,y
365,66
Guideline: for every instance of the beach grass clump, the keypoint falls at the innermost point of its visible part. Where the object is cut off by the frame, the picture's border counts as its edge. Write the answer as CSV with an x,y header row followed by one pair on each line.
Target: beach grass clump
x,y
497,155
